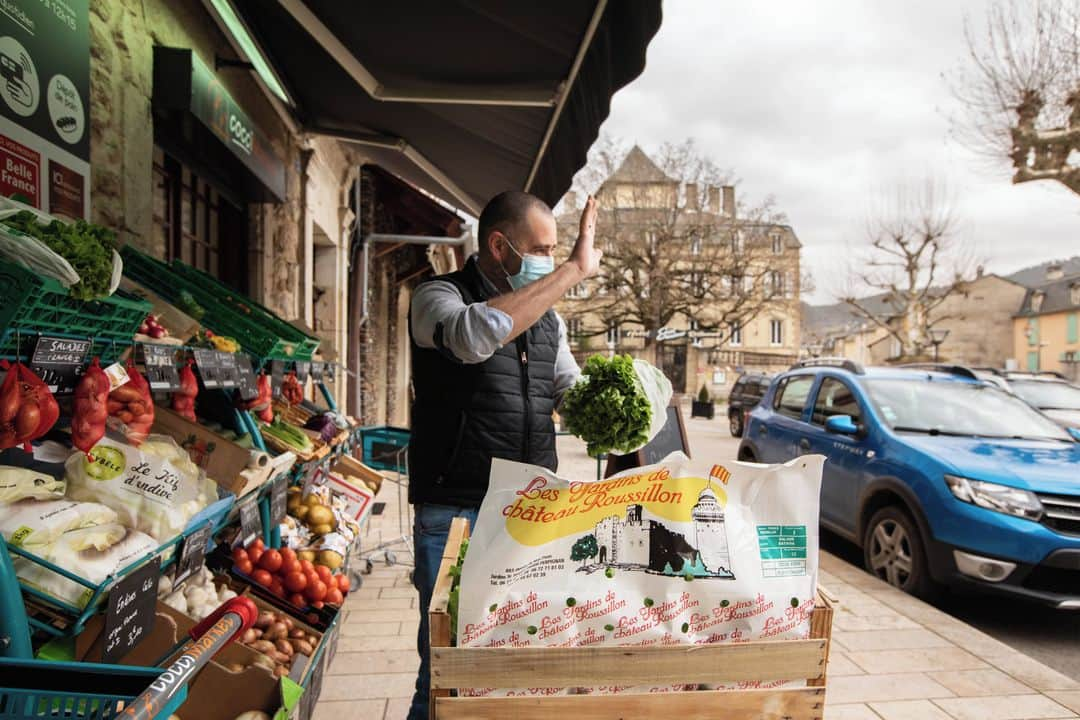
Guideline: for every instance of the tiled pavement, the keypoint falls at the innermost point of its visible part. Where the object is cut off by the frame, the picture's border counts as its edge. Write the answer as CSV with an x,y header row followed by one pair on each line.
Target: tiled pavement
x,y
893,657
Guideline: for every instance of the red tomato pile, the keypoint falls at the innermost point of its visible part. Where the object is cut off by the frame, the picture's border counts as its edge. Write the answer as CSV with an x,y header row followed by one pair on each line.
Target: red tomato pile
x,y
300,582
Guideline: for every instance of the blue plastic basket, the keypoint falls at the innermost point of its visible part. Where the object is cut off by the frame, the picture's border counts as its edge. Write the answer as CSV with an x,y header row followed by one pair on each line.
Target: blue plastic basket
x,y
384,447
91,691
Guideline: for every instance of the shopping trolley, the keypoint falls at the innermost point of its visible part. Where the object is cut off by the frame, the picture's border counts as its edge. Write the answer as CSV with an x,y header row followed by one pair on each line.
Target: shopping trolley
x,y
89,691
386,448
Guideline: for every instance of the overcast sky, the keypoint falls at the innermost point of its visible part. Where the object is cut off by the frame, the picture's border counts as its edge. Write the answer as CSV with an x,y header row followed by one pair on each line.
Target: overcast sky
x,y
824,104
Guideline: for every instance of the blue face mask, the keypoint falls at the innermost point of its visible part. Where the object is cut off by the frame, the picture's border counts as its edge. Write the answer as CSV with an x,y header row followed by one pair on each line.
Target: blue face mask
x,y
533,267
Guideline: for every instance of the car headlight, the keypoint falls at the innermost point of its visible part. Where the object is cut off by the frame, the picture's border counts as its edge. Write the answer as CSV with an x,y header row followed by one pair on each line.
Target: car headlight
x,y
1001,498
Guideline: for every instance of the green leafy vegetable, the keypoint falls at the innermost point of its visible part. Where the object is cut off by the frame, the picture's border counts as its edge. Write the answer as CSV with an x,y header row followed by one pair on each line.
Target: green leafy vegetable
x,y
455,589
608,408
87,247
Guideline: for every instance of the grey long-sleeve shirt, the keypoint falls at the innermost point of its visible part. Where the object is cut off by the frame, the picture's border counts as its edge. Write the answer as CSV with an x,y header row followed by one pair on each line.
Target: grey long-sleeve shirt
x,y
473,332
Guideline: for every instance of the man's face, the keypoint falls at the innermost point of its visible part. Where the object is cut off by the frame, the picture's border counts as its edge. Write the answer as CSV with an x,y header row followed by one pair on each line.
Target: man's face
x,y
535,235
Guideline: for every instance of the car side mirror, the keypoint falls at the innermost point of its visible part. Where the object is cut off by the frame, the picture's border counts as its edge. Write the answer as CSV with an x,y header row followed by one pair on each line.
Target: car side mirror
x,y
1075,432
842,424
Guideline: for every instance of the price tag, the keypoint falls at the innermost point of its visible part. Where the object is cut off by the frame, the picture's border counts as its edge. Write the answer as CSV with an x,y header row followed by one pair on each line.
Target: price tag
x,y
303,370
206,362
160,362
317,371
277,376
250,520
331,372
117,375
246,381
58,362
193,552
230,372
278,500
130,615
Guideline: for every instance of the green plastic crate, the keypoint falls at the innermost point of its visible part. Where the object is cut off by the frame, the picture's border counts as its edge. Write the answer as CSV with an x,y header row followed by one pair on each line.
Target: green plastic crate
x,y
258,331
32,304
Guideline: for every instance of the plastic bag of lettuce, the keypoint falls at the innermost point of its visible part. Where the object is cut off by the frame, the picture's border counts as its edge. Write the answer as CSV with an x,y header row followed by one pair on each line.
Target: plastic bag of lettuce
x,y
618,404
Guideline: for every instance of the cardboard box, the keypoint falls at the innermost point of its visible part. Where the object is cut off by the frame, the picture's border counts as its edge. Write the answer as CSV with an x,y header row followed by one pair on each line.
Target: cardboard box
x,y
223,460
351,467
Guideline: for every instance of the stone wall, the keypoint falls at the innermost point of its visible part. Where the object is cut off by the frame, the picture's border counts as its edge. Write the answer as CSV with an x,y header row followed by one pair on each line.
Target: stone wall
x,y
123,34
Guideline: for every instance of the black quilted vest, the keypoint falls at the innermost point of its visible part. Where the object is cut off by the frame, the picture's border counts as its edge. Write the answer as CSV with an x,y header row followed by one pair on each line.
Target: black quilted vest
x,y
465,415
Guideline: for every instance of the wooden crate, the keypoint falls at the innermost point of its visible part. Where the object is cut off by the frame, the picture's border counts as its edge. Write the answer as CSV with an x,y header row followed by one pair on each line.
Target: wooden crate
x,y
454,667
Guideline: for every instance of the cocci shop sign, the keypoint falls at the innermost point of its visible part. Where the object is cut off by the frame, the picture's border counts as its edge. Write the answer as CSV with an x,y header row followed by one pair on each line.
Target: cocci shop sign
x,y
183,82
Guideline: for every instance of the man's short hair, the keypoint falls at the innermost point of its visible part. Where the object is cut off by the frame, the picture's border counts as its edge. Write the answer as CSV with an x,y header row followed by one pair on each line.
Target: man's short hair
x,y
505,211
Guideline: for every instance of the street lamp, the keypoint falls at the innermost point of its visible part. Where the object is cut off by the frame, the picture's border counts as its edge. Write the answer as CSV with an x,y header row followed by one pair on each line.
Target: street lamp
x,y
937,336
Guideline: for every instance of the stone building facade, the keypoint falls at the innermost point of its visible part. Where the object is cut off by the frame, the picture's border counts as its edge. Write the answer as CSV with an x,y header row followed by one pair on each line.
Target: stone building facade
x,y
747,317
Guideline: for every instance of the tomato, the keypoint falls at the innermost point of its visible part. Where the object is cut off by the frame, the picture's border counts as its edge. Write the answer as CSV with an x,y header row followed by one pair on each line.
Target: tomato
x,y
262,577
296,581
270,560
254,553
239,554
257,544
298,600
289,565
334,597
318,605
244,566
343,583
277,588
315,591
324,573
307,566
287,553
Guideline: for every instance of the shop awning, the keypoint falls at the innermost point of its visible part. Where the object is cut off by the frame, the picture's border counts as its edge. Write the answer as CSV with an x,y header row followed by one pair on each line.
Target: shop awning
x,y
464,98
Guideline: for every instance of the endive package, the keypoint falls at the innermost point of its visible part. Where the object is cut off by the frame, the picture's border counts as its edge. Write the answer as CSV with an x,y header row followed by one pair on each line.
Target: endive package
x,y
656,555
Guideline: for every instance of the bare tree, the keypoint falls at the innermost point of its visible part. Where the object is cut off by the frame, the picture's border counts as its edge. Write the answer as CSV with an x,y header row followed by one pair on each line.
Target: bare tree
x,y
1020,87
915,262
671,250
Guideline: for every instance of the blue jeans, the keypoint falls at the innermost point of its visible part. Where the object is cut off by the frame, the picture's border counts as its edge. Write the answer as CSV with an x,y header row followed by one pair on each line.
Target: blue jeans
x,y
431,525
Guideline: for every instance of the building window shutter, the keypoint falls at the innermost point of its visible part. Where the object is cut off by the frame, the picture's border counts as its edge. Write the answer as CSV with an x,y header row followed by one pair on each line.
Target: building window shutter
x,y
1033,332
1033,361
1072,332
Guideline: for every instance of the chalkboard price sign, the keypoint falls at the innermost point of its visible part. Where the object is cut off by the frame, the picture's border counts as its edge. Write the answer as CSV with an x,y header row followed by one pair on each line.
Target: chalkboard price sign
x,y
206,361
277,376
331,371
160,362
230,372
58,362
246,382
303,370
130,615
671,438
317,371
278,500
193,552
250,520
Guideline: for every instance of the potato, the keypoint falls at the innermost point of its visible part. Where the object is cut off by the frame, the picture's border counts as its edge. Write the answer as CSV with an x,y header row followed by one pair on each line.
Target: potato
x,y
308,555
276,632
281,671
283,646
249,636
323,529
320,515
297,633
303,646
265,619
265,647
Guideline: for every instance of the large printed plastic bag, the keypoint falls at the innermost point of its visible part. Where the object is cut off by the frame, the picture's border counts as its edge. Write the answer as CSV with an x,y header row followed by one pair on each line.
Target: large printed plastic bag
x,y
73,552
18,483
40,522
154,488
654,555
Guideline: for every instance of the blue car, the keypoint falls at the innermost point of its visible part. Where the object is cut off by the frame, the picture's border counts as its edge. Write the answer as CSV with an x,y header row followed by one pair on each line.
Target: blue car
x,y
940,478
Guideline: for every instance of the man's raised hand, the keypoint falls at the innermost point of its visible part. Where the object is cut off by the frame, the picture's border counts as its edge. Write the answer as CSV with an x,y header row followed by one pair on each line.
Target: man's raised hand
x,y
585,254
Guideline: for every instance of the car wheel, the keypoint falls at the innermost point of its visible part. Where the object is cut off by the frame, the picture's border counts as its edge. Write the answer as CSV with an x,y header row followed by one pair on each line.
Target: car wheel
x,y
735,423
893,551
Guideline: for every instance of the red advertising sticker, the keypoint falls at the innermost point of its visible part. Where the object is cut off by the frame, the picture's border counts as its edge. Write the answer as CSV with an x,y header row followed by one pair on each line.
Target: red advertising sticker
x,y
20,170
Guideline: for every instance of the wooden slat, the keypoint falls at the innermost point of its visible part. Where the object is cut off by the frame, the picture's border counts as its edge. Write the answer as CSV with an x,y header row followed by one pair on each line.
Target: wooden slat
x,y
440,596
661,665
800,704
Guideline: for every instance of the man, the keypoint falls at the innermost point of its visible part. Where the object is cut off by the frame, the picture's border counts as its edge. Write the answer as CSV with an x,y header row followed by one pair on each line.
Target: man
x,y
490,362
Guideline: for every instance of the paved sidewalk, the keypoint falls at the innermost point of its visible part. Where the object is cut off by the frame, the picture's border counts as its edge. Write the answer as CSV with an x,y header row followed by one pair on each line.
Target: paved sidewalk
x,y
893,657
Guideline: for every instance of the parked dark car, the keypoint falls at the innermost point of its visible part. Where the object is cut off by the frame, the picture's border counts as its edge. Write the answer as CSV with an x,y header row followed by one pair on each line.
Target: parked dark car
x,y
745,394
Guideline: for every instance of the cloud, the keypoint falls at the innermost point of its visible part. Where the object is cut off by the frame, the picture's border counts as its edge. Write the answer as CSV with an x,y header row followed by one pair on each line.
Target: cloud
x,y
825,105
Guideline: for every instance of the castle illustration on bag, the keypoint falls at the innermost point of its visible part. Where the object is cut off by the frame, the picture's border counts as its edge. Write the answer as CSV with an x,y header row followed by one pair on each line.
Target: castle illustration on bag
x,y
648,545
